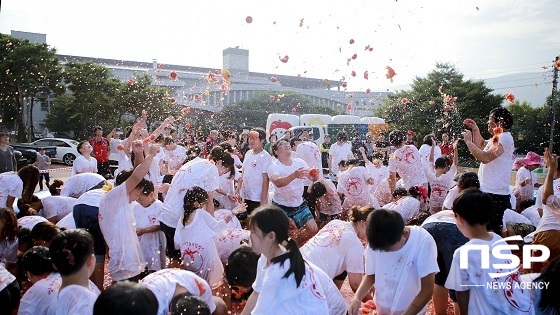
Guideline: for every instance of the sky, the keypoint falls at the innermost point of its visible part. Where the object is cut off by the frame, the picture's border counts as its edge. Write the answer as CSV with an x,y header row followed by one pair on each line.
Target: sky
x,y
481,38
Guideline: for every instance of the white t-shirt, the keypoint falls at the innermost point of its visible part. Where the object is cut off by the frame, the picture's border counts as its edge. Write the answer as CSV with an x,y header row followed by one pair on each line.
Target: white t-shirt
x,y
494,176
549,221
198,172
75,299
152,244
511,216
230,240
10,185
484,299
291,194
76,185
398,273
227,185
118,225
281,295
6,277
424,152
154,174
335,248
29,221
310,153
525,192
444,216
175,158
339,153
532,214
91,198
196,241
83,165
450,197
57,206
407,162
383,192
330,204
67,222
440,186
254,166
353,184
407,207
163,284
378,174
42,296
335,301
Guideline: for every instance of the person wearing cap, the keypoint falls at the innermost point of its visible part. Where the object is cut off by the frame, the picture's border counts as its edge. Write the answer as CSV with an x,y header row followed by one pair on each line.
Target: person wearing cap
x,y
8,162
42,163
525,179
410,139
101,150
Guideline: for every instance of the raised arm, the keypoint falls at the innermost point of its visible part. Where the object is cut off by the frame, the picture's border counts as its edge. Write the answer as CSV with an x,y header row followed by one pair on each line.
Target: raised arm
x,y
552,161
478,140
482,156
141,170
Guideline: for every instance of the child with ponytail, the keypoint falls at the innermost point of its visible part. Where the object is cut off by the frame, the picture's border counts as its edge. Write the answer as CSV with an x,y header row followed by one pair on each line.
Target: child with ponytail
x,y
195,235
285,283
72,255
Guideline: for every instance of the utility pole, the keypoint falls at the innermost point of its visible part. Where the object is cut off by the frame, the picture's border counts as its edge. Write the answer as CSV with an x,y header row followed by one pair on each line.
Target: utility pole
x,y
553,103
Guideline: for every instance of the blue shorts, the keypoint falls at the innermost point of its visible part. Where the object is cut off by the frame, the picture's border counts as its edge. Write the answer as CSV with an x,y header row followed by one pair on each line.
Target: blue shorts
x,y
300,215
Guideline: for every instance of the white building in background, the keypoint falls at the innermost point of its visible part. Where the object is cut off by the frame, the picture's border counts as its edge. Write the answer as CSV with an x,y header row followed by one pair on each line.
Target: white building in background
x,y
188,86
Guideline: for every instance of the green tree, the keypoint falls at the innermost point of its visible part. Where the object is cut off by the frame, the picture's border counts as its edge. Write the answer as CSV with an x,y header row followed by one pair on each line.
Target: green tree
x,y
27,71
255,111
530,126
423,108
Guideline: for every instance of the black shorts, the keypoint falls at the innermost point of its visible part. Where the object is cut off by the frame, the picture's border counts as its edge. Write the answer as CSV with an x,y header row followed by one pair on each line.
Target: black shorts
x,y
251,205
169,232
501,203
342,276
9,298
87,217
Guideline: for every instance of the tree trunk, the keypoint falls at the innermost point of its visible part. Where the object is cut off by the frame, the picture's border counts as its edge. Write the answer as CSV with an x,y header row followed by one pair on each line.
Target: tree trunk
x,y
19,120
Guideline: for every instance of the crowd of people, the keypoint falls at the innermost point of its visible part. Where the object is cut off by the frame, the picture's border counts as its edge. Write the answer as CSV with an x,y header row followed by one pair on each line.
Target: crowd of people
x,y
256,224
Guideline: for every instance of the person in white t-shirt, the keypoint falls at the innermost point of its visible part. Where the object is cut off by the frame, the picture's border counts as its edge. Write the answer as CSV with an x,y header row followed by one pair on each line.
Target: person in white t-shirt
x,y
530,211
408,204
152,240
428,144
440,176
53,208
43,294
195,237
327,201
9,291
525,179
354,185
116,217
85,163
11,187
72,255
76,185
473,211
285,283
168,283
339,151
383,193
401,261
337,248
375,168
496,160
241,273
254,181
175,155
226,195
548,230
287,175
406,161
198,172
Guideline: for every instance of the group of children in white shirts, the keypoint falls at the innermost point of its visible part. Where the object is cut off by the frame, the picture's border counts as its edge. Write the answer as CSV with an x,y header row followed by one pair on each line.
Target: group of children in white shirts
x,y
146,237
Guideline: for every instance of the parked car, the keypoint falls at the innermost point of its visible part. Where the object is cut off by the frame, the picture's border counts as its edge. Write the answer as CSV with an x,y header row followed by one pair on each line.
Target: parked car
x,y
66,149
28,153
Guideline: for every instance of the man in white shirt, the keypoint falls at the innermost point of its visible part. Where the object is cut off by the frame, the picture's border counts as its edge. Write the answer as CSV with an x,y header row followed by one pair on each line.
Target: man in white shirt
x,y
406,161
340,150
496,160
